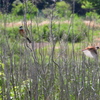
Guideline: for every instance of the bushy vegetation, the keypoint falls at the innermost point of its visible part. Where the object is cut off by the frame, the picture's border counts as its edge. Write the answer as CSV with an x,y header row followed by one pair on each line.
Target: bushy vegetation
x,y
60,10
29,9
63,9
75,32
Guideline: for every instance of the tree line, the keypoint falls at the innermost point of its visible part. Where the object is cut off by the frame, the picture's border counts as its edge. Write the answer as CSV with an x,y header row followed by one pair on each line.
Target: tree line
x,y
80,6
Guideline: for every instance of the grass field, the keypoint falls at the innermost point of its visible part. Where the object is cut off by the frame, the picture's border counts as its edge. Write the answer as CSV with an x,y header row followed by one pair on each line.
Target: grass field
x,y
48,69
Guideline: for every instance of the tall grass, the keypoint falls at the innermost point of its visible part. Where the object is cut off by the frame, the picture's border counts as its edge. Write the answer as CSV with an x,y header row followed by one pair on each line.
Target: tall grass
x,y
56,71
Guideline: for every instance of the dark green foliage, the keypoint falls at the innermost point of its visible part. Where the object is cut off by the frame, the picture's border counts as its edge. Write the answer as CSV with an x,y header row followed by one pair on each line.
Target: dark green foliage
x,y
45,34
12,33
17,7
74,32
91,5
63,9
20,8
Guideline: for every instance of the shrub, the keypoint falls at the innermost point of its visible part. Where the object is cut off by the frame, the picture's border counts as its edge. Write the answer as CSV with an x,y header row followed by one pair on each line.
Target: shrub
x,y
92,15
12,33
1,15
63,9
19,8
47,12
45,34
75,32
